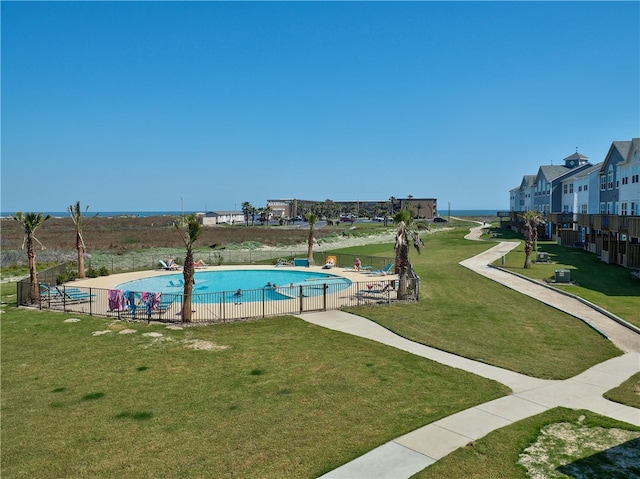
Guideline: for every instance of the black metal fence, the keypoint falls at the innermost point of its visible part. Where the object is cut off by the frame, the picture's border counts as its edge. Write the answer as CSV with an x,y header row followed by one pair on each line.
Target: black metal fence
x,y
321,295
226,306
138,261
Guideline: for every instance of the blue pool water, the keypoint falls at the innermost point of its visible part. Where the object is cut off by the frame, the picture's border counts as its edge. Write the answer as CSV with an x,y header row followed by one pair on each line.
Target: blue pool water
x,y
255,285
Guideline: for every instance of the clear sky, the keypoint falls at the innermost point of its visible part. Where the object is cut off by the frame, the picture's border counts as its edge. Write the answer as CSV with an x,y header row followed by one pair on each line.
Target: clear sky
x,y
157,106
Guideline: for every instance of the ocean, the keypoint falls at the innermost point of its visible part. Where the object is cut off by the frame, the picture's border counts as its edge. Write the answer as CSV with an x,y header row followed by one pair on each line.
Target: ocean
x,y
105,214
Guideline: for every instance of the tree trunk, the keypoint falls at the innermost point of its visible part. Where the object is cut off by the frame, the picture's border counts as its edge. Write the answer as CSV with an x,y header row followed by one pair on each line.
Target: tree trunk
x,y
189,272
33,275
80,248
310,246
527,254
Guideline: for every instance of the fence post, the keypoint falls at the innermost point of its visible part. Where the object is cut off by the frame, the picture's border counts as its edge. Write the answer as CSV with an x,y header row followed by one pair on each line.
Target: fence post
x,y
301,303
324,296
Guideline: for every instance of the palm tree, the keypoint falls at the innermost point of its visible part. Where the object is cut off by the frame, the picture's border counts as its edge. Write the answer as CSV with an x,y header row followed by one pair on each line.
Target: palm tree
x,y
30,222
189,237
404,235
312,222
76,215
247,210
532,219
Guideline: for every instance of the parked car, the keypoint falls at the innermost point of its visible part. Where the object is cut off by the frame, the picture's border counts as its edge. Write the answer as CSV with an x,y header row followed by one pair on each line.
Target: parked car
x,y
348,218
379,219
439,219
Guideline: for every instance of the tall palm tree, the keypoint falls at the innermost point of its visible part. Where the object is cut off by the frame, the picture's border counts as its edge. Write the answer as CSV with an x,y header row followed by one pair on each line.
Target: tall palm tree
x,y
189,234
532,219
76,215
30,222
405,235
247,210
313,219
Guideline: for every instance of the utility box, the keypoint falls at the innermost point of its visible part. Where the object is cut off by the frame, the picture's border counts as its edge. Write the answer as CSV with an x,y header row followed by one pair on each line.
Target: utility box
x,y
563,276
542,257
301,262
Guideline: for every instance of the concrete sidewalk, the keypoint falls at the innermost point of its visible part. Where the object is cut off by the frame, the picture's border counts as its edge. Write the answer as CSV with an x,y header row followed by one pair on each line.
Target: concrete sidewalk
x,y
408,454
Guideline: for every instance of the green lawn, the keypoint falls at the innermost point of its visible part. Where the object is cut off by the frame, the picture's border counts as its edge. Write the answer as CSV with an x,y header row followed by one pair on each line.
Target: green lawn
x,y
496,455
464,313
284,398
280,397
611,287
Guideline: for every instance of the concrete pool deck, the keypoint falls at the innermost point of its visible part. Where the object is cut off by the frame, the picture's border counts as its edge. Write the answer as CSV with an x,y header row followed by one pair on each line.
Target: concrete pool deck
x,y
231,310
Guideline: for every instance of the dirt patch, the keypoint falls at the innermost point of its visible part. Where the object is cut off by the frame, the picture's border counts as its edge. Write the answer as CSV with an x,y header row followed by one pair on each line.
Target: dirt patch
x,y
573,450
202,345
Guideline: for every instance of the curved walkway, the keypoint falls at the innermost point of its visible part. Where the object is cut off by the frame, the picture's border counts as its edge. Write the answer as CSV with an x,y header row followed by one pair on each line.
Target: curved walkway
x,y
408,454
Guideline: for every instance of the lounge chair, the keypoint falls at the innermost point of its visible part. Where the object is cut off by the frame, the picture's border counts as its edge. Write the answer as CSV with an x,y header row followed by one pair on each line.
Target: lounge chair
x,y
167,267
353,269
48,292
330,263
74,295
382,272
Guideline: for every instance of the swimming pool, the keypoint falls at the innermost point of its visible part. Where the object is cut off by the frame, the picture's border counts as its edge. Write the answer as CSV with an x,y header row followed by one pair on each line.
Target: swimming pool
x,y
254,285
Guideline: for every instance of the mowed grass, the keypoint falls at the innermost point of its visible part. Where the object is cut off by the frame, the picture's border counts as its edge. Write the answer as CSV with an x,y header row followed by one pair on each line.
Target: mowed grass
x,y
627,393
464,313
496,455
286,398
611,287
280,398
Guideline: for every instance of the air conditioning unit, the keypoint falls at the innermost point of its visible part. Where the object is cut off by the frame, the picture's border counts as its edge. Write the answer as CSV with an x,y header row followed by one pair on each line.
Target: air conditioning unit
x,y
563,276
542,257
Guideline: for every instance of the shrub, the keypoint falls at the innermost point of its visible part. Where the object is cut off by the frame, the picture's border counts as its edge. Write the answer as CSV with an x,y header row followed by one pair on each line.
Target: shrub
x,y
66,277
103,271
92,273
218,259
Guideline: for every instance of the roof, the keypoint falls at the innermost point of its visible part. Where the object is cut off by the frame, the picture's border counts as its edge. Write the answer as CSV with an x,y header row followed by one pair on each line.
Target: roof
x,y
551,172
528,181
576,156
224,213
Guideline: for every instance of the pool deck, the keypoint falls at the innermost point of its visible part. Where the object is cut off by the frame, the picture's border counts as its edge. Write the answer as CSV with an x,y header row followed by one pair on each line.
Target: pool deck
x,y
111,281
231,311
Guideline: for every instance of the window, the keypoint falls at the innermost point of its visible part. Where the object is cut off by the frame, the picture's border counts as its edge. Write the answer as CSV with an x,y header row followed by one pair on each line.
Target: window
x,y
603,183
625,176
634,208
586,187
579,187
610,178
635,176
565,208
564,189
570,187
584,208
623,208
603,208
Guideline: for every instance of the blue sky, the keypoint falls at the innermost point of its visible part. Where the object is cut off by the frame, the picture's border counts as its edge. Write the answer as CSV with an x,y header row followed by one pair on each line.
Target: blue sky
x,y
157,106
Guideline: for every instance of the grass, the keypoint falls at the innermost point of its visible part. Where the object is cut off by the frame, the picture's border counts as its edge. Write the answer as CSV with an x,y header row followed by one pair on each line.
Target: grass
x,y
286,398
611,287
472,316
496,455
627,393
